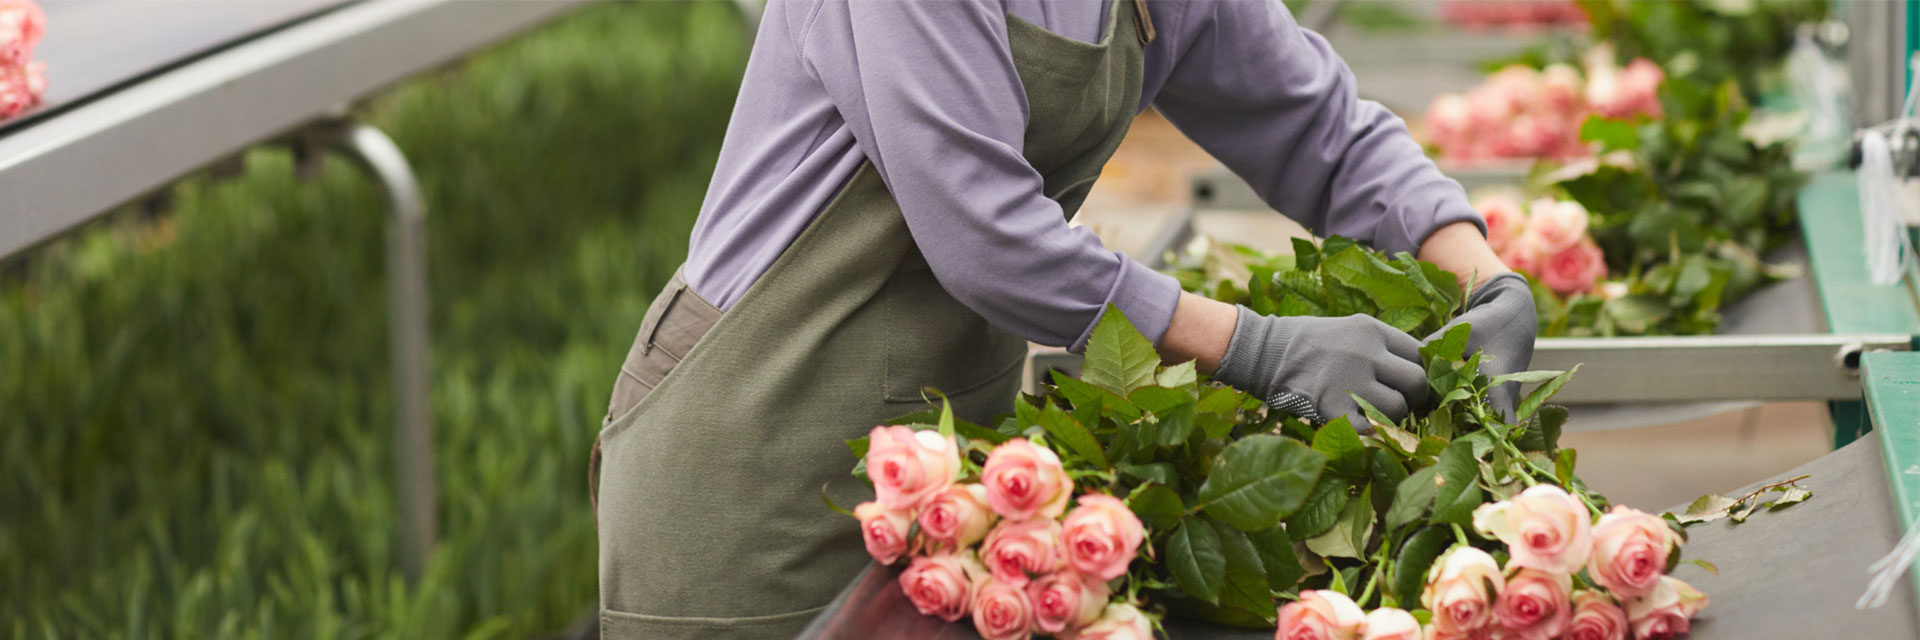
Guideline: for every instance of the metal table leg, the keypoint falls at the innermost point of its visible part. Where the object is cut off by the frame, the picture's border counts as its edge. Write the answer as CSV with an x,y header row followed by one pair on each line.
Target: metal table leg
x,y
415,488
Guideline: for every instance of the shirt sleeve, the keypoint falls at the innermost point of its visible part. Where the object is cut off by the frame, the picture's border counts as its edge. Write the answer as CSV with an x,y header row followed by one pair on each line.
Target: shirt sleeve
x,y
1274,103
930,93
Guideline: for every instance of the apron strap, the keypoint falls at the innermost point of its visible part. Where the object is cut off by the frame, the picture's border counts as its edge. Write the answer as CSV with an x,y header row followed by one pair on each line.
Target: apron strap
x,y
1143,26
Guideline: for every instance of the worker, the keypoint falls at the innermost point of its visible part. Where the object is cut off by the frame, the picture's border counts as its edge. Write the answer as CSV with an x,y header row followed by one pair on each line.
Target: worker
x,y
889,213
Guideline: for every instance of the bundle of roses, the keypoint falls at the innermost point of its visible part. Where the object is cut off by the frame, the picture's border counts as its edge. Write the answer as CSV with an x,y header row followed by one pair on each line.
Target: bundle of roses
x,y
1546,239
991,542
1511,13
22,79
1522,112
1566,576
1139,490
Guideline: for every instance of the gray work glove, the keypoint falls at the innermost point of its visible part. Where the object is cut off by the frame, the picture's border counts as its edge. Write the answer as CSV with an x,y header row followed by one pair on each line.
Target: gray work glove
x,y
1501,312
1306,366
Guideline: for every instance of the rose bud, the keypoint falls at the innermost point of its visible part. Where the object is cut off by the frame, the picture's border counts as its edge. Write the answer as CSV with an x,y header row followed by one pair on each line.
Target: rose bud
x,y
1630,551
1002,612
1119,621
1015,550
1505,219
1025,481
884,530
1101,536
1534,605
1575,269
1064,599
938,586
1544,528
1461,589
1391,624
1320,615
1596,617
1666,611
958,517
908,467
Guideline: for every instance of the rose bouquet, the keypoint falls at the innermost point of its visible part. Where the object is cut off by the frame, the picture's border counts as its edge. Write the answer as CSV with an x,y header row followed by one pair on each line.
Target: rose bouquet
x,y
22,79
1522,112
1138,491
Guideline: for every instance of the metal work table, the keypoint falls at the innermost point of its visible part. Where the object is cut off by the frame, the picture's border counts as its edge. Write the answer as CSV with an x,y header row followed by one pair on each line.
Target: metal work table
x,y
144,93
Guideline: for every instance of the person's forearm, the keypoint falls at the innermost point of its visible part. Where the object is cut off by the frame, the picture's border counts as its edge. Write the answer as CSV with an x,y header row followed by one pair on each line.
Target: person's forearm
x,y
1460,248
1200,331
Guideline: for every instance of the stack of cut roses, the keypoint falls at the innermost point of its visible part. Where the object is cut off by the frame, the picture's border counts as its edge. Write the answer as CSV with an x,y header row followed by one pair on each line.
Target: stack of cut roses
x,y
1521,112
994,545
1546,239
22,80
1566,577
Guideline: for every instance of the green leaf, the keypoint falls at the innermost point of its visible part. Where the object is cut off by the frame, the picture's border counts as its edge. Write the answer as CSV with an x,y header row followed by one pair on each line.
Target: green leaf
x,y
1173,412
1412,497
1158,506
1541,394
859,447
1276,554
1221,400
1180,376
1388,473
1611,134
1194,557
1458,493
1524,377
946,418
1245,587
1375,417
972,431
1321,509
1563,466
1416,558
1259,480
1542,431
1306,256
1062,428
1397,439
1161,472
1345,454
1451,345
1104,402
1348,537
1118,358
1355,268
1407,319
1789,496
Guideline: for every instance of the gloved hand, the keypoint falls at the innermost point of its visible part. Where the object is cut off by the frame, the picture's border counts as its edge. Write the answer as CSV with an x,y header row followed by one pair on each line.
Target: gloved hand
x,y
1306,366
1501,312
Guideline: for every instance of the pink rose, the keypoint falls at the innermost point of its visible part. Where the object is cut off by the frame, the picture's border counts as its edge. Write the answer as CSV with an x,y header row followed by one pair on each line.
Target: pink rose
x,y
1630,550
885,531
1521,254
1544,528
1461,589
1320,615
1119,621
1519,85
1640,87
1487,108
1015,550
1665,612
908,467
1534,605
1002,612
1448,122
1596,617
1064,599
22,24
938,586
1561,87
1391,624
1101,536
1025,481
1556,224
1505,219
1575,269
958,517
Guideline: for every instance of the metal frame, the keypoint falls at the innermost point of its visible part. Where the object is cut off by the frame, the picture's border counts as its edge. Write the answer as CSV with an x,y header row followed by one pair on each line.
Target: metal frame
x,y
61,172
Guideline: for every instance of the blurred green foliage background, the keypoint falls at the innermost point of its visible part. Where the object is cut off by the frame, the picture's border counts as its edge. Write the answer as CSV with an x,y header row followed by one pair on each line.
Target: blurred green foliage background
x,y
195,415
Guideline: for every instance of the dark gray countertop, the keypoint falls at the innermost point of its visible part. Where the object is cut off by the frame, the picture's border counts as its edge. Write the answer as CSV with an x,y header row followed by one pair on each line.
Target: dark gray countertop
x,y
1791,574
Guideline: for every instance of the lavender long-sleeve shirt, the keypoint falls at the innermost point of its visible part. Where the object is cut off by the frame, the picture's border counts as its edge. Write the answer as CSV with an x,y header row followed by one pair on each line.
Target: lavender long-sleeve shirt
x,y
927,91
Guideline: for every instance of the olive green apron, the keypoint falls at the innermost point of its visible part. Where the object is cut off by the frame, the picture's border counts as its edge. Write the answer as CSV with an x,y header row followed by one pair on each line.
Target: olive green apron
x,y
725,427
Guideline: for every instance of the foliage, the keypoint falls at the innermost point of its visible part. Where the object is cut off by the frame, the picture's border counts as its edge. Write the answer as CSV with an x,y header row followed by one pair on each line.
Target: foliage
x,y
1216,478
1706,43
197,439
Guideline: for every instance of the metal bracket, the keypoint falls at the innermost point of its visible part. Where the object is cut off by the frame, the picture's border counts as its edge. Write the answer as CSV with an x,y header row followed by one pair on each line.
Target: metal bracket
x,y
416,490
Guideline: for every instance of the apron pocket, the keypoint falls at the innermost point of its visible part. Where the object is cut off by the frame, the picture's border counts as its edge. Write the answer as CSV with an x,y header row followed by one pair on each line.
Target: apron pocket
x,y
935,341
